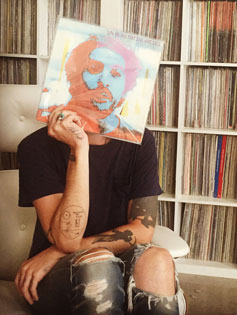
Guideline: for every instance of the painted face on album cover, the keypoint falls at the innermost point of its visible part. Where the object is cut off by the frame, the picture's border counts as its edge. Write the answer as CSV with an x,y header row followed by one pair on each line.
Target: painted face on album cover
x,y
106,71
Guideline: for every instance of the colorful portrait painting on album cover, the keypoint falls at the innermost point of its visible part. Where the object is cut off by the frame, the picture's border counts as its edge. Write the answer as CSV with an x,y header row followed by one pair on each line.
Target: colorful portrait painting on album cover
x,y
106,76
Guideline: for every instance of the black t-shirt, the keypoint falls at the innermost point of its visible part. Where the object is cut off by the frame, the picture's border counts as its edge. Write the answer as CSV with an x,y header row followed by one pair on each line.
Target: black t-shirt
x,y
119,171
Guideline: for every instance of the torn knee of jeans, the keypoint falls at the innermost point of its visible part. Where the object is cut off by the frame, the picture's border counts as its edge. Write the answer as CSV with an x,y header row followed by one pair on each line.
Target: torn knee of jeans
x,y
163,304
95,291
170,303
174,303
93,255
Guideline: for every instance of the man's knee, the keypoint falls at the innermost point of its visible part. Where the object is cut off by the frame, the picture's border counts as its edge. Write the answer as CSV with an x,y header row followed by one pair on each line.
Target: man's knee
x,y
155,272
158,258
94,255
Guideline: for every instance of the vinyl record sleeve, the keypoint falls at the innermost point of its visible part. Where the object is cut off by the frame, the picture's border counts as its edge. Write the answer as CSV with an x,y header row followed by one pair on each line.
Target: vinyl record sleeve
x,y
106,76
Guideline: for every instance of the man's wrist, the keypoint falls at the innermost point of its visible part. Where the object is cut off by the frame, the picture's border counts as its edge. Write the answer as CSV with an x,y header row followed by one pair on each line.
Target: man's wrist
x,y
76,154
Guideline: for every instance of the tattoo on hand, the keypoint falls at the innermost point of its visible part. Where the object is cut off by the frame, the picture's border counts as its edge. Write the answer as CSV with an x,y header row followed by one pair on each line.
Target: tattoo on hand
x,y
126,236
72,222
144,209
79,135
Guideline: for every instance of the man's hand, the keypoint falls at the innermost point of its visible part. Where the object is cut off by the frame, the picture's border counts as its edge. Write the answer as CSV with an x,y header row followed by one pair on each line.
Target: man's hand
x,y
68,128
33,270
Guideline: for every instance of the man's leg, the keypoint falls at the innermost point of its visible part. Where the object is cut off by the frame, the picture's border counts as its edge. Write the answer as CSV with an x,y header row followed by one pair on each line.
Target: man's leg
x,y
153,287
88,282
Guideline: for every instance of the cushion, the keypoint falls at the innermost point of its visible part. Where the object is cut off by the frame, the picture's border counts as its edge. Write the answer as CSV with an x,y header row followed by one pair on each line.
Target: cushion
x,y
16,226
10,300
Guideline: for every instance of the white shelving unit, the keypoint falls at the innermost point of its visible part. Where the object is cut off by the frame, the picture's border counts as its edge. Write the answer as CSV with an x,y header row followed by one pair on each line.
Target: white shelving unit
x,y
112,16
191,266
209,268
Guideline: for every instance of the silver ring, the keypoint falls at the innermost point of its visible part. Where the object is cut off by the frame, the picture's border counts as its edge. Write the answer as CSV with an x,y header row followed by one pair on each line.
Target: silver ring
x,y
60,116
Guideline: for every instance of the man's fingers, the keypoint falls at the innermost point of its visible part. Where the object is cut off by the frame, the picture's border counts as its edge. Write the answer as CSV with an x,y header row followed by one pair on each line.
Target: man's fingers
x,y
25,290
55,113
77,120
17,282
53,117
20,278
33,288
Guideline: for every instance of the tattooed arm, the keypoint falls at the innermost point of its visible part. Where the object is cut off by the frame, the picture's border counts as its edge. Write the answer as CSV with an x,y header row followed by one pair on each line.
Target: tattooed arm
x,y
142,214
140,228
64,216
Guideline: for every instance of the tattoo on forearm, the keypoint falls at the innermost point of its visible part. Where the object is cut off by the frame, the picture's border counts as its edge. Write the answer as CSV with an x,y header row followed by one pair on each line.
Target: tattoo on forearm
x,y
126,236
72,221
144,209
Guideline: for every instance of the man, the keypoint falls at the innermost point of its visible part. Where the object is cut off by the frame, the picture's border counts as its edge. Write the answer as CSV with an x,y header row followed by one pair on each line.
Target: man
x,y
96,203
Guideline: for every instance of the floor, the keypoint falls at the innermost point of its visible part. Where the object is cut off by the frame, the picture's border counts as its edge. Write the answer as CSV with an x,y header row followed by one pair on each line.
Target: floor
x,y
209,295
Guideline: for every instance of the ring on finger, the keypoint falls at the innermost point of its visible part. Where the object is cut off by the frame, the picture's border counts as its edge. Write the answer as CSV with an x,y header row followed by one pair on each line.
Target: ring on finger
x,y
61,116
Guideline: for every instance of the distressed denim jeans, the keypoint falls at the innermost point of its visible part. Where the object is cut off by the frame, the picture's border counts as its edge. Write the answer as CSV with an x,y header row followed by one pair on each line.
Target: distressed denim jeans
x,y
105,287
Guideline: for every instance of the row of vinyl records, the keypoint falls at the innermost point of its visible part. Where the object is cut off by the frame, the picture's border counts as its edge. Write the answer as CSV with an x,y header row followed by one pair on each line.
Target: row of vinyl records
x,y
213,31
17,70
211,98
211,232
210,165
8,161
18,26
156,19
164,105
213,25
166,144
165,214
84,10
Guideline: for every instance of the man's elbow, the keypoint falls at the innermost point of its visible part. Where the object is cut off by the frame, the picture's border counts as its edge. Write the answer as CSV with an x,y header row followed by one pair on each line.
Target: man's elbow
x,y
68,247
146,236
67,243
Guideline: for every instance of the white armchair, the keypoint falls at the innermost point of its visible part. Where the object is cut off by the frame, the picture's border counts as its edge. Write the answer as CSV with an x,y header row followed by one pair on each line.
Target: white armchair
x,y
18,105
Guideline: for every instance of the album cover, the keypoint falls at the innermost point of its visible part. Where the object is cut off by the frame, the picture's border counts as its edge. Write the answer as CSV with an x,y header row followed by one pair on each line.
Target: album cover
x,y
104,75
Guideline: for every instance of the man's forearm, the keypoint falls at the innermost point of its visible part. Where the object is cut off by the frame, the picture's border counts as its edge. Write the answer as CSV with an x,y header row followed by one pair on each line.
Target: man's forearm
x,y
119,239
142,214
69,222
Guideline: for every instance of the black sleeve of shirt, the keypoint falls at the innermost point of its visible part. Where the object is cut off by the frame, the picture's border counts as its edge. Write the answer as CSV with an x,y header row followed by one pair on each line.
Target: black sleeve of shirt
x,y
38,172
145,181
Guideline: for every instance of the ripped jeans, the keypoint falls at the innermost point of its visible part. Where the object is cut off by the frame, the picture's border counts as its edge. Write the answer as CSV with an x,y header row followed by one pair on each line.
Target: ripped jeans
x,y
106,286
